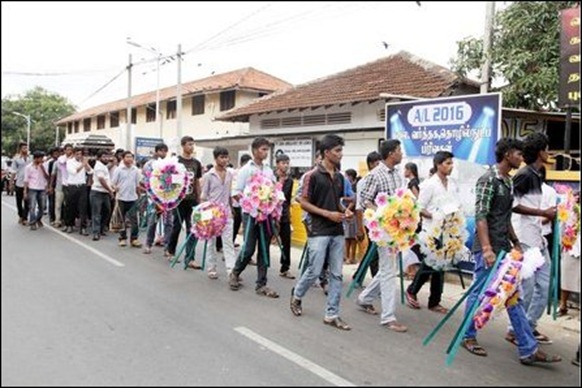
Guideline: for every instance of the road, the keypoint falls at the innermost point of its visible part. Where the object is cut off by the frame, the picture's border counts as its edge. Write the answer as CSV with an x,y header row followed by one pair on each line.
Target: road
x,y
79,312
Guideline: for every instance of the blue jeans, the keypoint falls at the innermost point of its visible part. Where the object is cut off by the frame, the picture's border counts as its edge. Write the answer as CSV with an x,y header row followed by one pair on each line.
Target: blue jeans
x,y
318,248
167,226
527,344
35,197
100,210
536,291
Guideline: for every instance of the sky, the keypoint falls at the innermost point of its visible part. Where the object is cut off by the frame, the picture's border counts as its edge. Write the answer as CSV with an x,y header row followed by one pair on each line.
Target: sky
x,y
80,51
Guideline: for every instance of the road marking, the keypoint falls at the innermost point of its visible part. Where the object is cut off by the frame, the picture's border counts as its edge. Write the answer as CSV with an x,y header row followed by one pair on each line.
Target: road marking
x,y
294,357
74,240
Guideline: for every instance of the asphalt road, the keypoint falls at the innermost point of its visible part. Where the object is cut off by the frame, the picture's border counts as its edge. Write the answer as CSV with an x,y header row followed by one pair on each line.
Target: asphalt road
x,y
78,312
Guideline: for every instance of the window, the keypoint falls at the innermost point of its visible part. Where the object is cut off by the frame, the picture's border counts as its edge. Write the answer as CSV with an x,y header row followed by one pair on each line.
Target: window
x,y
100,121
226,100
171,109
150,113
69,128
76,126
134,115
87,125
198,105
262,94
114,119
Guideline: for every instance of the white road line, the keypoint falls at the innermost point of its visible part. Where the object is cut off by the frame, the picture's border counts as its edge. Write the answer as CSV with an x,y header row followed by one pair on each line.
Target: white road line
x,y
294,357
87,247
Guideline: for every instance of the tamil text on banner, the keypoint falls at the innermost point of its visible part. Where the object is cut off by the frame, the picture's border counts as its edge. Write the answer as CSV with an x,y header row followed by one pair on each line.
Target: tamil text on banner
x,y
569,57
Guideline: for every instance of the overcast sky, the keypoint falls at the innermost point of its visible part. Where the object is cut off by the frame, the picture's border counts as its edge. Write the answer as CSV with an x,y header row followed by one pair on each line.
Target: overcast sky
x,y
85,43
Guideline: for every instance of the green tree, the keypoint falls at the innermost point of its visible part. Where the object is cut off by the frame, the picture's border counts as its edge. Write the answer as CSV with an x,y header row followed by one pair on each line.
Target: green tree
x,y
525,53
44,109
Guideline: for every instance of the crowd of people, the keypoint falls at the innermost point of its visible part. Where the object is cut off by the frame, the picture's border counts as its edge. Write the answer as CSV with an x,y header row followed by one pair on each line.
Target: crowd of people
x,y
512,212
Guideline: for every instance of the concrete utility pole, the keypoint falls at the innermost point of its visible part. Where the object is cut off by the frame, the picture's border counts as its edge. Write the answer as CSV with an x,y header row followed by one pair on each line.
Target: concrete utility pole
x,y
179,95
486,71
128,133
28,120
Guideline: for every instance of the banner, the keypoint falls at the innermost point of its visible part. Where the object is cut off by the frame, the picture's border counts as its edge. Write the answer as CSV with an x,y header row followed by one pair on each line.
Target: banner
x,y
569,94
300,151
468,126
145,147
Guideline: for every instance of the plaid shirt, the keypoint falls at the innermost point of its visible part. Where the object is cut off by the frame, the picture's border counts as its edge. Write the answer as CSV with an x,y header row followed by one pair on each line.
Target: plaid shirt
x,y
381,180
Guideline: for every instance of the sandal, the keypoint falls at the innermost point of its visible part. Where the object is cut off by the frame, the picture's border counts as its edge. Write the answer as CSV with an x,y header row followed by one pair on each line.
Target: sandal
x,y
510,337
337,323
369,309
192,264
286,275
473,346
213,275
411,301
266,291
540,357
439,309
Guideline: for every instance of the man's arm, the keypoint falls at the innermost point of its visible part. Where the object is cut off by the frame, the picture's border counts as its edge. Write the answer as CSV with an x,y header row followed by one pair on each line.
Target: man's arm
x,y
484,194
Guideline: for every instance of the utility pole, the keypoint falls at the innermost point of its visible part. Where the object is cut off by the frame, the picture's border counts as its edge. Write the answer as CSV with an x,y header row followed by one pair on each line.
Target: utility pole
x,y
179,95
486,71
57,136
128,133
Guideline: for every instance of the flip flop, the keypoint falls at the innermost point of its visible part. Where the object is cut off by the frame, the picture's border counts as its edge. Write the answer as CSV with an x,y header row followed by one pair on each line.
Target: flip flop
x,y
369,309
511,339
473,346
540,357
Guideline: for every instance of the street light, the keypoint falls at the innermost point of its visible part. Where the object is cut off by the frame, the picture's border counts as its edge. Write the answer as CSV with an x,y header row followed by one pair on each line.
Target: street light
x,y
159,57
27,127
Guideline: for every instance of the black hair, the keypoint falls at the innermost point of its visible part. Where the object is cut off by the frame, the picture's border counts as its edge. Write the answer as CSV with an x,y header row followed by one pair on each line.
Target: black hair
x,y
244,158
282,158
161,147
329,142
373,157
352,173
432,171
125,153
413,168
77,149
209,166
118,151
100,153
441,156
533,144
21,144
186,139
388,146
38,154
219,151
259,142
68,145
505,145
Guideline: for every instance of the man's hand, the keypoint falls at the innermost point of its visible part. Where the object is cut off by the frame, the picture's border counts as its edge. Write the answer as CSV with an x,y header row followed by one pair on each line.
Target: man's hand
x,y
549,213
335,216
488,256
349,214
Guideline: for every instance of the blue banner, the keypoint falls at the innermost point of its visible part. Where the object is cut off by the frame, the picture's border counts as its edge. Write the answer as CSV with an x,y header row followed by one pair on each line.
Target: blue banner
x,y
145,147
468,126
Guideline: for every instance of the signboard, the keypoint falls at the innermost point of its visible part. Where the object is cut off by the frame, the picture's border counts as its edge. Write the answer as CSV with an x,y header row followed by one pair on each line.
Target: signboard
x,y
300,151
569,94
145,147
468,126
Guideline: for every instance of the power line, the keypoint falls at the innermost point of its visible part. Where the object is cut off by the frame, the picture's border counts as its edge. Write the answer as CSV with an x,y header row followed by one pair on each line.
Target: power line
x,y
104,86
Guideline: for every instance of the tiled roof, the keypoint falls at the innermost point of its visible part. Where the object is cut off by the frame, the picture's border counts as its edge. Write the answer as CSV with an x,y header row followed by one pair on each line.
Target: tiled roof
x,y
242,79
400,74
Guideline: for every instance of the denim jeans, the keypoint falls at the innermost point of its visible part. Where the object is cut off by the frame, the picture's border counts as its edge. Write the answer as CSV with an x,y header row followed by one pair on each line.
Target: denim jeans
x,y
536,290
129,217
318,248
383,285
36,197
167,226
252,235
527,344
100,210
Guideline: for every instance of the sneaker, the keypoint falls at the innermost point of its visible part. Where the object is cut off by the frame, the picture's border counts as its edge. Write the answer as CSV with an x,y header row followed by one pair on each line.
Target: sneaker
x,y
411,301
295,304
122,243
83,232
542,338
233,282
337,322
136,244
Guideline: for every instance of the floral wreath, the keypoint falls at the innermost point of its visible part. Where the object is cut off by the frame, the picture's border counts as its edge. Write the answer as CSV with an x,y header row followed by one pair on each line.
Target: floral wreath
x,y
208,220
262,198
444,244
569,217
166,182
393,224
514,267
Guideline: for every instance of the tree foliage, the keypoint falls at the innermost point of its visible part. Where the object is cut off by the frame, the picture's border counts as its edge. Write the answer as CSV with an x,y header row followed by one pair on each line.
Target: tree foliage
x,y
44,109
525,53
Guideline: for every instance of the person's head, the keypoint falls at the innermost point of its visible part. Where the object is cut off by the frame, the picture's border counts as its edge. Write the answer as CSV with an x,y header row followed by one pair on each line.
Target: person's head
x,y
221,157
161,150
244,159
318,157
391,151
410,170
68,150
37,157
373,159
127,158
23,148
103,156
282,162
352,175
119,154
78,153
443,162
535,147
187,143
332,149
55,152
432,171
260,148
509,150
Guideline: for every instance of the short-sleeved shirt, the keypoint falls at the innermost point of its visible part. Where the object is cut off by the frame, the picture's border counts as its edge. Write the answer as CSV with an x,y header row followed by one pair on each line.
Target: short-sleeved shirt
x,y
248,170
382,180
493,203
324,191
527,191
193,166
100,171
35,177
18,165
549,199
126,180
434,195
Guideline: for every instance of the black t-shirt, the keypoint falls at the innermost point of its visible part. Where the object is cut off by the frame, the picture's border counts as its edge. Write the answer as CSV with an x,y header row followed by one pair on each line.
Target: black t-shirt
x,y
195,167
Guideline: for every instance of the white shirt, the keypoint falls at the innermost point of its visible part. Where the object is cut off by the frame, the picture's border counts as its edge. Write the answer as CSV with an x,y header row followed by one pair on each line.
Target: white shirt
x,y
434,195
549,199
100,171
75,177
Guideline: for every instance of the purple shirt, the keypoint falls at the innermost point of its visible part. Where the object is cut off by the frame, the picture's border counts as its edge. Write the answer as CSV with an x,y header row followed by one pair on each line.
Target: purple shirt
x,y
214,189
35,177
